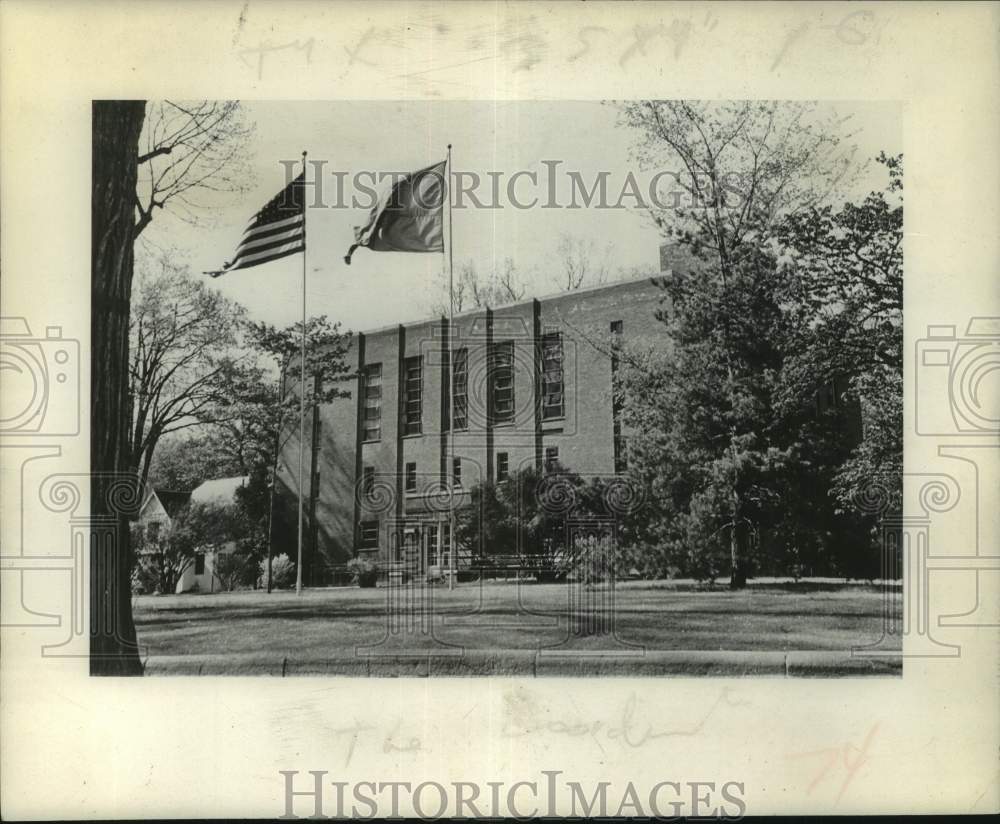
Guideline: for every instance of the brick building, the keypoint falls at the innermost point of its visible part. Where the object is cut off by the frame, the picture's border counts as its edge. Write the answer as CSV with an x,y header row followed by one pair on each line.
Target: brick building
x,y
532,385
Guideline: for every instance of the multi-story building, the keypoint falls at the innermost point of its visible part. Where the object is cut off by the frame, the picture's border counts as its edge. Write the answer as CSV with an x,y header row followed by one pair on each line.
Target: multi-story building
x,y
532,386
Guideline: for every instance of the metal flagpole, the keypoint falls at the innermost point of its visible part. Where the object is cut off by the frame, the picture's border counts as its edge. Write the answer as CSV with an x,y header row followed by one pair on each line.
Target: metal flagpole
x,y
450,468
302,386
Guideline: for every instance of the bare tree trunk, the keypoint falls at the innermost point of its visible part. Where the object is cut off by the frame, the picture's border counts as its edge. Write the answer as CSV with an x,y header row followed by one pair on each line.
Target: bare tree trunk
x,y
115,132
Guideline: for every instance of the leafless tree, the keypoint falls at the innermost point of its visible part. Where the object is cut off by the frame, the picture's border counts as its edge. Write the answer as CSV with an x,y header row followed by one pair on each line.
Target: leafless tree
x,y
472,290
583,263
190,154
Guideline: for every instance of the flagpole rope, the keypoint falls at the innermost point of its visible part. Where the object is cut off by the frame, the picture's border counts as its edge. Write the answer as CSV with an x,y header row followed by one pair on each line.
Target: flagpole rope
x,y
302,386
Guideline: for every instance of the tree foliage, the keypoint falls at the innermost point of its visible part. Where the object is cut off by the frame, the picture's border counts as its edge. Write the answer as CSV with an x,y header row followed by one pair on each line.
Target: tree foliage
x,y
183,355
760,396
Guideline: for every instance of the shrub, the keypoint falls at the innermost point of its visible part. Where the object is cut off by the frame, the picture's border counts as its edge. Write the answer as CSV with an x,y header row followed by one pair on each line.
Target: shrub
x,y
282,570
364,570
234,570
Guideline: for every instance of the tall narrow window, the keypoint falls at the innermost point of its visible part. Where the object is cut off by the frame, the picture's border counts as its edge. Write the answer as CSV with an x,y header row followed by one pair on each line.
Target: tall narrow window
x,y
619,442
456,471
368,480
553,405
621,453
372,393
551,457
369,535
502,379
433,558
460,387
412,395
199,563
503,466
411,477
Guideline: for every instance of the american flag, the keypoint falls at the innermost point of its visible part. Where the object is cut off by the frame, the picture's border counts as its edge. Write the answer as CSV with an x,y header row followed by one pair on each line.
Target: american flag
x,y
276,231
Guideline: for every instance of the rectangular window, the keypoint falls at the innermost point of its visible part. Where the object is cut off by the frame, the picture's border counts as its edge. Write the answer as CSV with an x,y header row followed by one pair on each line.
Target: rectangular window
x,y
502,379
372,398
503,466
369,534
552,376
411,477
412,395
616,327
460,388
153,531
368,480
551,457
433,558
456,471
199,563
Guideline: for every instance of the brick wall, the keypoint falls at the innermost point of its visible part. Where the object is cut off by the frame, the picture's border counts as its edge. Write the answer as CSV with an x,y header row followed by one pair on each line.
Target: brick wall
x,y
583,435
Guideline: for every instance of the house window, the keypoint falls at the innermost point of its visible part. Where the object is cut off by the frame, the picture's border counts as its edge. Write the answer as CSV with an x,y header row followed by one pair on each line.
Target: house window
x,y
369,534
412,395
552,376
502,377
456,471
368,480
616,327
153,531
551,457
411,477
503,466
372,393
199,563
460,388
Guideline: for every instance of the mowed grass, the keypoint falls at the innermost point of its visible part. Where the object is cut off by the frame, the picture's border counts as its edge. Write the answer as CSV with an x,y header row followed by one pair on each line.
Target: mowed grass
x,y
331,623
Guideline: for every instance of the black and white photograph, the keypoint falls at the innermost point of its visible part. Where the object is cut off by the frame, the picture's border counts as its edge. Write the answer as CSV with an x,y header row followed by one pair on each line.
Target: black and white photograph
x,y
483,410
501,388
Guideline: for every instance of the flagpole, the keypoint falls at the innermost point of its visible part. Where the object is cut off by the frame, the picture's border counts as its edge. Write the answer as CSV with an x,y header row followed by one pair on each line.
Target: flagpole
x,y
302,386
450,468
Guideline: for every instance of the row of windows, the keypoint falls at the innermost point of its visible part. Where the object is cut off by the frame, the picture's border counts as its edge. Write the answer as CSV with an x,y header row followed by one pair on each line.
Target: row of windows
x,y
369,532
410,473
501,372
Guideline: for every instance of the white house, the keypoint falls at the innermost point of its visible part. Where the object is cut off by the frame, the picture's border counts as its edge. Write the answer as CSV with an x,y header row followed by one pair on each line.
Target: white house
x,y
201,573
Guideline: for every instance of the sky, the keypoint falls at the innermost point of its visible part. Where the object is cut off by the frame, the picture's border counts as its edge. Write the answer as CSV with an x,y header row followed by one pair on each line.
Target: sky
x,y
502,137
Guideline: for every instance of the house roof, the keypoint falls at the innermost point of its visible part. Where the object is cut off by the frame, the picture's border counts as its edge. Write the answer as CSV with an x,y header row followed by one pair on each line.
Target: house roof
x,y
219,490
172,500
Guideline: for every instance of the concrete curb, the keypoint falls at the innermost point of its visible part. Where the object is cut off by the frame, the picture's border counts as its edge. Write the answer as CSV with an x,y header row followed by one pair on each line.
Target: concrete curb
x,y
540,664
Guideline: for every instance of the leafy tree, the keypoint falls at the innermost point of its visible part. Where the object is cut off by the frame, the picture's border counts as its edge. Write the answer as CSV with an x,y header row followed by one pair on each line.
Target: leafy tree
x,y
165,553
744,166
848,294
262,413
183,353
190,458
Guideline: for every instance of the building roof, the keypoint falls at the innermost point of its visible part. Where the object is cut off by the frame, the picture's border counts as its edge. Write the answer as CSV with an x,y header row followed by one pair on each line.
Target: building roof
x,y
172,500
584,290
219,490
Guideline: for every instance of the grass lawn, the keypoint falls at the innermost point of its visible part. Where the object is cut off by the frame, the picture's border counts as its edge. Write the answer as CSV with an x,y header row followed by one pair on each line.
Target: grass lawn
x,y
506,622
